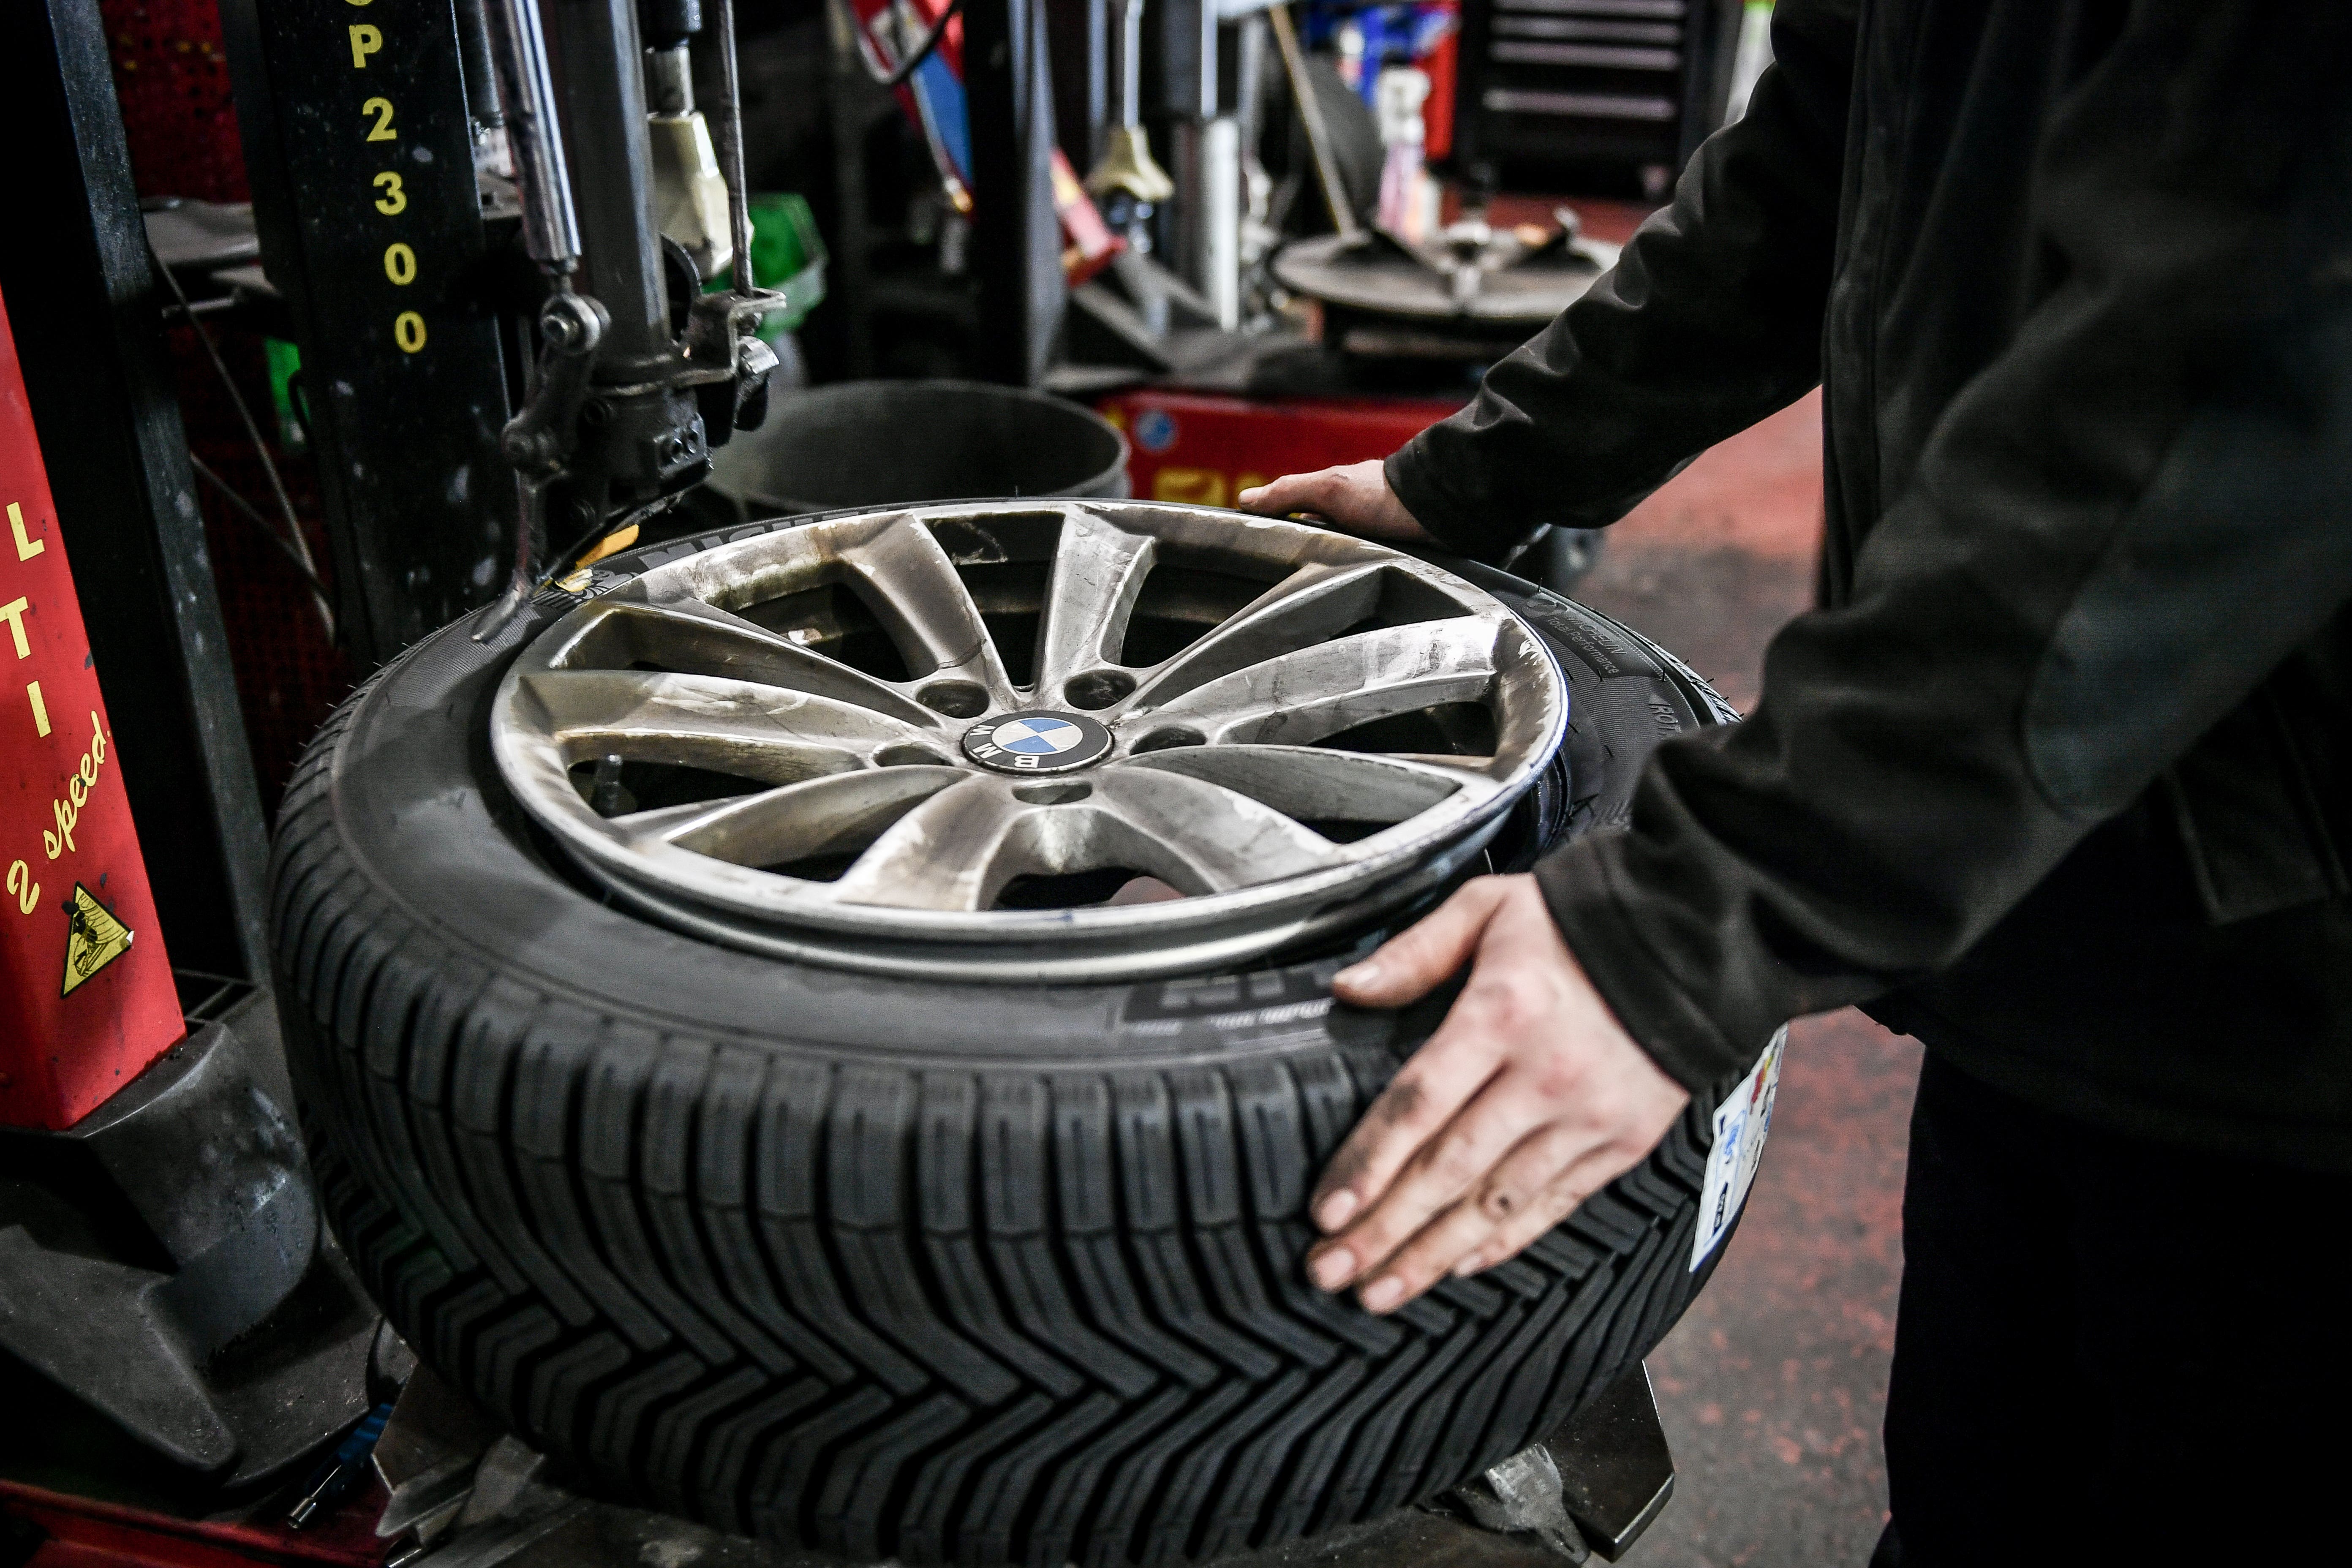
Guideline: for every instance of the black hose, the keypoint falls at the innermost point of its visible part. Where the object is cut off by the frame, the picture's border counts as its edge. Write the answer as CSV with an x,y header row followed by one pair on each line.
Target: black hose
x,y
230,494
295,543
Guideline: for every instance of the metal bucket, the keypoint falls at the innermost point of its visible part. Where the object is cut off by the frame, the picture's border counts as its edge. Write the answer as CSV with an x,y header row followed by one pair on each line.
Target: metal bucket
x,y
882,443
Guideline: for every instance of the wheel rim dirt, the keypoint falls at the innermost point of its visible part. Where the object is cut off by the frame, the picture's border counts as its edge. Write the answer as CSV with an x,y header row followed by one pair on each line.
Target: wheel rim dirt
x,y
997,740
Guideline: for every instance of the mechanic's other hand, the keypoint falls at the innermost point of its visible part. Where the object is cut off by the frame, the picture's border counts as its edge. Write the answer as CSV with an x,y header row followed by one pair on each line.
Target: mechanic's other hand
x,y
1529,1099
1355,496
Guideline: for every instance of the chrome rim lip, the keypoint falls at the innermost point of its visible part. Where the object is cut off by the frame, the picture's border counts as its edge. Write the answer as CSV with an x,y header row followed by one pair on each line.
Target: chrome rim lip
x,y
1159,952
766,911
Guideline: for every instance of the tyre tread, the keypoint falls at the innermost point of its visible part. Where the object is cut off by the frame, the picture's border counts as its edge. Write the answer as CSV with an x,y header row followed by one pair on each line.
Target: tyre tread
x,y
990,1315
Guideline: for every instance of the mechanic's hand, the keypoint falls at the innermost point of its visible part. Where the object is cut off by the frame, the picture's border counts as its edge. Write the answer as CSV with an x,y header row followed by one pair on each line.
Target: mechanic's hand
x,y
1528,1099
1356,498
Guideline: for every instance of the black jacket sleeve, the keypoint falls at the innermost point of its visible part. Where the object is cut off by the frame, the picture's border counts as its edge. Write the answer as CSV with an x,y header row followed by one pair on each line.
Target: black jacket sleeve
x,y
1711,321
2113,533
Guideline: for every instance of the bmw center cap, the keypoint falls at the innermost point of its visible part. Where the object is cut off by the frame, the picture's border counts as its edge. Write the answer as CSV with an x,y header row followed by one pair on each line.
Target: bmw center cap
x,y
1037,741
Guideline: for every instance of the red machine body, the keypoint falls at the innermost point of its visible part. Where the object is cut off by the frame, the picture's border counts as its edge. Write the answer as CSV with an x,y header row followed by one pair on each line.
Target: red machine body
x,y
1206,449
81,1532
85,992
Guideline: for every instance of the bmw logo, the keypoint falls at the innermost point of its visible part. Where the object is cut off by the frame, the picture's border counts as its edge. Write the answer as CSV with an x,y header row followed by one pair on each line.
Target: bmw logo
x,y
1036,743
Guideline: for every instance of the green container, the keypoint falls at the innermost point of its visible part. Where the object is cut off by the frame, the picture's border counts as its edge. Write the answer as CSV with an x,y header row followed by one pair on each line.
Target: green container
x,y
787,253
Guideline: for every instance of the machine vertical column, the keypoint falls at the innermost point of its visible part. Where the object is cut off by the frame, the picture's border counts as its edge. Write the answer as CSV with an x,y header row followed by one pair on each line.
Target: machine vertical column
x,y
359,137
604,89
1017,243
641,438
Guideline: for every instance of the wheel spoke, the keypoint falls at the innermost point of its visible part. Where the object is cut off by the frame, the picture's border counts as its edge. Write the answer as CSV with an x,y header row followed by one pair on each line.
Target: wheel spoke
x,y
1316,784
949,853
1303,609
1198,836
695,638
1279,778
924,606
820,817
1097,570
957,849
1303,696
754,731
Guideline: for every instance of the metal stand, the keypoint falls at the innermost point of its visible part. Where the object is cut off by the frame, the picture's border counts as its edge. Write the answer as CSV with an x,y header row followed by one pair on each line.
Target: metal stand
x,y
469,1497
161,1263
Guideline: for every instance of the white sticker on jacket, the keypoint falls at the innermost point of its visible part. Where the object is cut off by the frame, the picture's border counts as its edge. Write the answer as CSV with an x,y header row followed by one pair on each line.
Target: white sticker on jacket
x,y
1741,1124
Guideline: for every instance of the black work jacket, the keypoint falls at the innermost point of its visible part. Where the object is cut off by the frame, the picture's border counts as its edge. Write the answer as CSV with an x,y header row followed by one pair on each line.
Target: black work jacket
x,y
2058,775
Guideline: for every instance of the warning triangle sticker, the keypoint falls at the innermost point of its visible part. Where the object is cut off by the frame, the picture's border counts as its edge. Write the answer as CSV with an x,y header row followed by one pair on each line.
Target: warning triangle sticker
x,y
94,939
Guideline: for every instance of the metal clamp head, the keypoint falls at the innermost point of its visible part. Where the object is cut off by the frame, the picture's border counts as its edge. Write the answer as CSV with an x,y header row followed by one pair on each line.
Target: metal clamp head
x,y
570,324
539,438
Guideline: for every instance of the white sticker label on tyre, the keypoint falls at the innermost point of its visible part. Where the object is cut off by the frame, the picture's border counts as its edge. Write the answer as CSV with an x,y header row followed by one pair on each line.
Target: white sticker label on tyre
x,y
1741,1124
